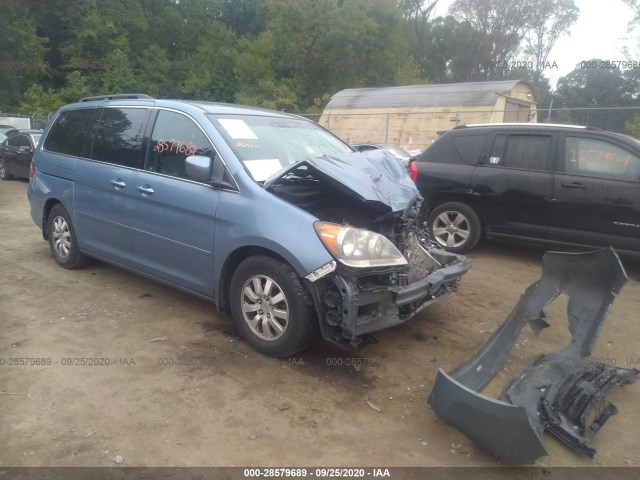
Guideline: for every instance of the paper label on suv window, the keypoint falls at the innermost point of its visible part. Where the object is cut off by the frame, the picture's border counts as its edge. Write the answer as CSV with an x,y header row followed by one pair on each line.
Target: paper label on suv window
x,y
237,129
262,169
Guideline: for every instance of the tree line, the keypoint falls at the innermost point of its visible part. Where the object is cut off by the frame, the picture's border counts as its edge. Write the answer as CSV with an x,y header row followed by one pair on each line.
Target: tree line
x,y
288,54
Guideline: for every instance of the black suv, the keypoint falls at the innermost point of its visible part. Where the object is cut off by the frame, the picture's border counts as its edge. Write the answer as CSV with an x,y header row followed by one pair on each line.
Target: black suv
x,y
558,184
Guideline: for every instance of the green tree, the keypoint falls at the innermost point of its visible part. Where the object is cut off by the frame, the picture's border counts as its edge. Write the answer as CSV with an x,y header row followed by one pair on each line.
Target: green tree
x,y
544,32
633,126
322,47
211,74
417,14
38,101
255,71
21,53
58,21
156,74
451,52
500,27
76,88
634,5
118,74
595,97
244,17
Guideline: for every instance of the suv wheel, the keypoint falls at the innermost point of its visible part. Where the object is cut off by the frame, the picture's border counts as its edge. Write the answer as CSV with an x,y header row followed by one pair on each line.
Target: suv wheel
x,y
271,308
62,239
454,226
4,174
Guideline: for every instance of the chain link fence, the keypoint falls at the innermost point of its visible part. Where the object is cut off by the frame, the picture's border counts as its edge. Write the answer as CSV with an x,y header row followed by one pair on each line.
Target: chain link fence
x,y
22,120
617,120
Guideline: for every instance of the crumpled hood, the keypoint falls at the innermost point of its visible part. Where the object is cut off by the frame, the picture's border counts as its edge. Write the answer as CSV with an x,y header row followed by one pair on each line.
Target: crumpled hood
x,y
377,178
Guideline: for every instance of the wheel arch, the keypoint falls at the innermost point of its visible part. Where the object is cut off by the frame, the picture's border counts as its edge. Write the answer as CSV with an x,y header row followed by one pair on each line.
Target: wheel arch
x,y
437,199
231,263
48,206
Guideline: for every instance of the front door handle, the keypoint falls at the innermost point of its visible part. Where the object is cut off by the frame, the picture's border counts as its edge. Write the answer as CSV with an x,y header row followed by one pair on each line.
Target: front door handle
x,y
145,190
577,185
119,184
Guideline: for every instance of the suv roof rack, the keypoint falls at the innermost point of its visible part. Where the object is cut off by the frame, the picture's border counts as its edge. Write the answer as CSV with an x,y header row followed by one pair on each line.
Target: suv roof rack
x,y
527,124
117,96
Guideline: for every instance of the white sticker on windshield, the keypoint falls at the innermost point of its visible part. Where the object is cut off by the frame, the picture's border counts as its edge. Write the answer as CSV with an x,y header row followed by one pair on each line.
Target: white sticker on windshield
x,y
262,169
237,129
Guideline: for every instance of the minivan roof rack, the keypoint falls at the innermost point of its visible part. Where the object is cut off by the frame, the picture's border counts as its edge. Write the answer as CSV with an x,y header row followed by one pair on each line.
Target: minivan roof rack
x,y
117,96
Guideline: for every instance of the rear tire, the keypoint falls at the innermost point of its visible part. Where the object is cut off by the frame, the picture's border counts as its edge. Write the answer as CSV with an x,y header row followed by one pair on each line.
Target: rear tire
x,y
62,239
271,308
454,226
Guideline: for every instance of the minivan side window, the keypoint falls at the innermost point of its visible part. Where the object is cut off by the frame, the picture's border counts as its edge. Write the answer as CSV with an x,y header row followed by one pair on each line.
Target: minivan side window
x,y
174,138
67,133
529,152
597,158
119,137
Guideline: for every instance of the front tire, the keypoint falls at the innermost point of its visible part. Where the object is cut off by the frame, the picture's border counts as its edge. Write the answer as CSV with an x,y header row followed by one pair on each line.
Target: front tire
x,y
455,227
62,239
271,307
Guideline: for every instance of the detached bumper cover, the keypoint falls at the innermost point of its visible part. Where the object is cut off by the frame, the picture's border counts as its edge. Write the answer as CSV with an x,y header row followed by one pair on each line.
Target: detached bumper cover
x,y
554,391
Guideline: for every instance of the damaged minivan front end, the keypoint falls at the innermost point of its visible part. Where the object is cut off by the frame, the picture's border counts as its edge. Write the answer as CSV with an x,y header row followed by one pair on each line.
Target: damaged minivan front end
x,y
384,268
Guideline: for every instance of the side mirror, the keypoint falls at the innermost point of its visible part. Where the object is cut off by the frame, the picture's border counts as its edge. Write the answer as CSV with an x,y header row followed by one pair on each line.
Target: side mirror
x,y
198,168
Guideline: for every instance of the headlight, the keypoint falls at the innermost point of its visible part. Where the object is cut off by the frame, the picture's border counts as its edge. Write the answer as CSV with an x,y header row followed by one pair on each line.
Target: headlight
x,y
358,248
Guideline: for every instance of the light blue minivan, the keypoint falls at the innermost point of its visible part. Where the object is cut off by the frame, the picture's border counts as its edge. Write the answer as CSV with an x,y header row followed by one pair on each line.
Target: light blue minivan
x,y
267,214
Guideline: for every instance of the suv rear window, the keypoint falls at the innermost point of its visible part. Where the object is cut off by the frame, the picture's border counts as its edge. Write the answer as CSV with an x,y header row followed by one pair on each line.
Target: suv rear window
x,y
528,152
68,132
469,147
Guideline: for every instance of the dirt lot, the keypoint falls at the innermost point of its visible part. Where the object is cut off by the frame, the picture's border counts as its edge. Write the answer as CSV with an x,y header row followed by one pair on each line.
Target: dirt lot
x,y
182,390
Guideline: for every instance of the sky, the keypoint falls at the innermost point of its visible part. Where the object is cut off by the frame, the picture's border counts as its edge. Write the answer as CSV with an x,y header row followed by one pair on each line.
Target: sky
x,y
600,32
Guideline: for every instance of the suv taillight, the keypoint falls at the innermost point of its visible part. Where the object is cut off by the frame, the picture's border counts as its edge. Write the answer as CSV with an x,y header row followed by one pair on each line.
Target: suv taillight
x,y
32,169
413,170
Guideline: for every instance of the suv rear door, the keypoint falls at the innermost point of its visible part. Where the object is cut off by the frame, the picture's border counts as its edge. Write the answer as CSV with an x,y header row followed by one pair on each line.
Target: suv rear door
x,y
514,182
597,192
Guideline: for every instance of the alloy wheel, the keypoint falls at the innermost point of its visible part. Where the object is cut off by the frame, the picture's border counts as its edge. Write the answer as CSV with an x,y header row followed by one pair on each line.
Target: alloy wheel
x,y
61,237
265,307
451,229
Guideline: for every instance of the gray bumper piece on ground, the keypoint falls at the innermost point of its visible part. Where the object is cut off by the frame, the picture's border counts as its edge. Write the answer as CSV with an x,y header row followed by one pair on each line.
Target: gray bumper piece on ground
x,y
553,392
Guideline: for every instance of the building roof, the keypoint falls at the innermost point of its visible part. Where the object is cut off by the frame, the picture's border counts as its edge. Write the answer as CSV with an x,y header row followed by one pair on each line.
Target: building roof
x,y
435,95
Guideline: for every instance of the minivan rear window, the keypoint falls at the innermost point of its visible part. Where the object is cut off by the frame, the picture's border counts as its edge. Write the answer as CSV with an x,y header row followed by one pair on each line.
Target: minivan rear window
x,y
120,136
68,131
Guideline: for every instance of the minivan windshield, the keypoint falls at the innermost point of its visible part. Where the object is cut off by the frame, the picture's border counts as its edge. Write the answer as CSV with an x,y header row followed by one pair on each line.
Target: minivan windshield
x,y
268,144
